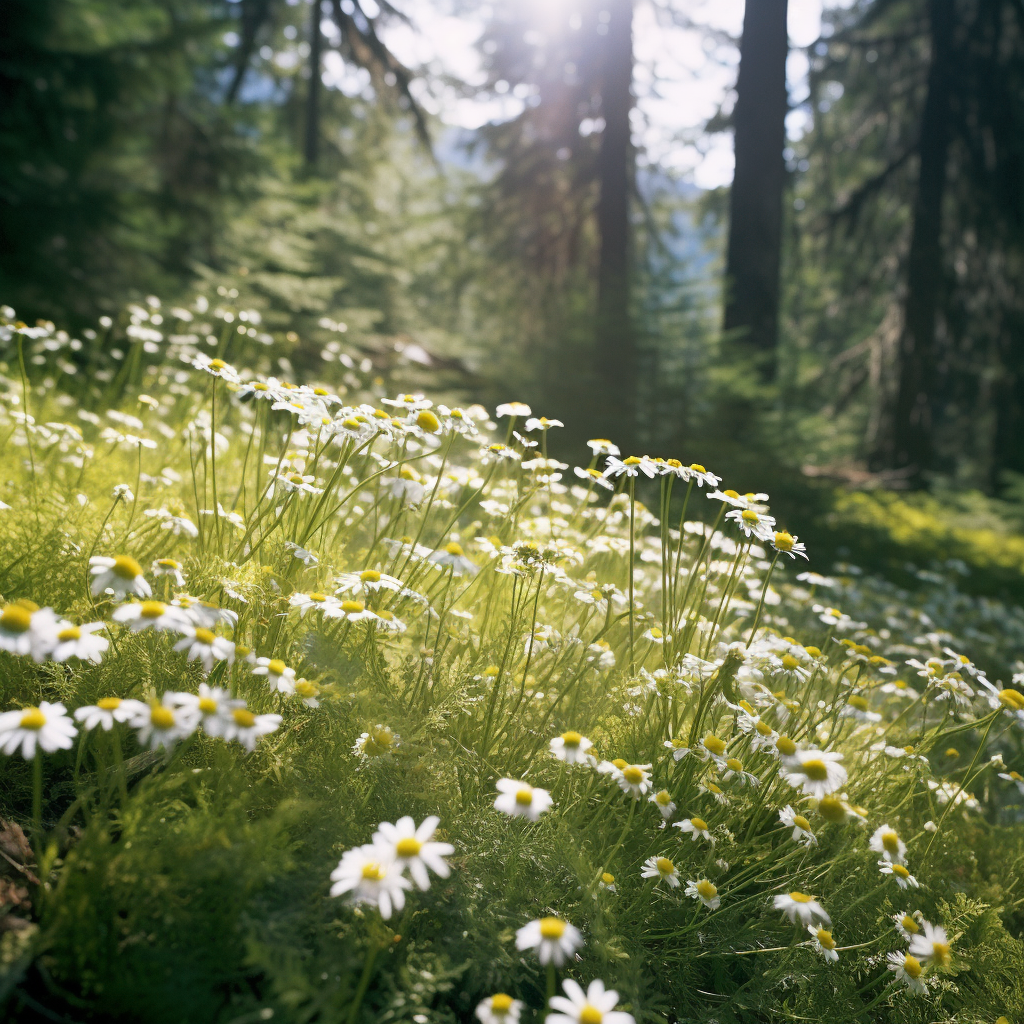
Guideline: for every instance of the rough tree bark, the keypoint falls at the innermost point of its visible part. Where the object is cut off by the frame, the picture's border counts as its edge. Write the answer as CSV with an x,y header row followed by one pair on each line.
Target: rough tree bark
x,y
311,147
614,341
755,202
908,443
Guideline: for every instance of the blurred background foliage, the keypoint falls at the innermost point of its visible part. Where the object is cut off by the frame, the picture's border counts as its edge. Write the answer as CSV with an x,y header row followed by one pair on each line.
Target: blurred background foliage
x,y
176,146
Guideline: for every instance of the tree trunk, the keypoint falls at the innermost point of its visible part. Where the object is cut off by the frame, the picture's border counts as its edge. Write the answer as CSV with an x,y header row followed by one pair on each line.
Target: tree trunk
x,y
614,341
311,149
755,202
908,444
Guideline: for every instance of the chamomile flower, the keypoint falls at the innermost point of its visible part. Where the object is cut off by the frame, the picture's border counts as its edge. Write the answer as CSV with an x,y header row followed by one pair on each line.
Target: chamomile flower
x,y
885,841
705,891
932,945
663,869
108,710
734,770
554,939
315,602
798,906
163,724
25,628
1016,778
372,580
414,849
602,446
908,925
632,466
570,747
205,646
904,878
823,943
499,1009
241,725
754,525
168,567
452,556
816,772
46,727
787,544
118,576
908,969
663,801
514,409
521,800
801,826
280,677
80,642
151,615
378,742
633,779
366,875
607,882
697,828
595,1006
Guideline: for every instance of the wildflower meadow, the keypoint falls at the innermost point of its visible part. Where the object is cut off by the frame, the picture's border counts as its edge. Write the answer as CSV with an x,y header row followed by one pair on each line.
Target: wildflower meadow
x,y
324,700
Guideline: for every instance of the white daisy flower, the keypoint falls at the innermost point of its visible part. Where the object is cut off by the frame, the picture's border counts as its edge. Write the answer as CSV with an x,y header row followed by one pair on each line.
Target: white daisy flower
x,y
499,1009
633,779
570,747
696,827
366,875
757,525
452,555
414,849
151,615
908,925
118,576
520,799
80,642
280,677
595,1006
602,446
368,579
817,772
515,409
632,466
800,825
902,875
206,613
661,868
46,727
607,882
204,645
168,567
554,939
108,710
787,544
821,939
908,969
354,611
932,945
734,770
316,602
242,726
593,476
663,801
379,741
885,841
705,891
798,906
163,724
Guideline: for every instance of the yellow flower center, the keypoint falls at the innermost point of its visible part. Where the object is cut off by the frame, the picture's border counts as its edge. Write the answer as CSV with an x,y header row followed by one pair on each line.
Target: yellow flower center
x,y
800,897
750,516
32,718
952,752
379,742
632,460
126,567
712,788
243,717
591,1015
633,775
524,797
814,652
663,797
665,866
501,1003
352,607
205,636
369,576
304,688
491,671
15,619
427,421
607,877
152,609
801,822
1013,699
785,746
410,846
789,662
454,549
825,939
373,873
763,728
832,809
620,764
699,824
70,633
784,541
815,769
909,925
656,633
911,966
890,842
731,493
276,667
714,745
707,890
218,364
900,871
860,703
161,717
108,703
551,928
697,467
734,764
572,739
